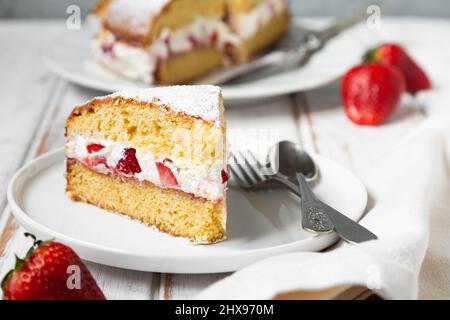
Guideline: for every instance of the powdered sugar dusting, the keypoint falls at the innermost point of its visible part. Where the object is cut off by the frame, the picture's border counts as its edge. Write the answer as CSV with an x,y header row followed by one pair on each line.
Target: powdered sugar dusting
x,y
136,14
198,101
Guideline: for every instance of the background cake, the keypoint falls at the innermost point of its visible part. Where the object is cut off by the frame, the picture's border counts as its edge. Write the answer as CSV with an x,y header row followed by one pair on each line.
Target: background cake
x,y
175,41
162,41
258,24
156,155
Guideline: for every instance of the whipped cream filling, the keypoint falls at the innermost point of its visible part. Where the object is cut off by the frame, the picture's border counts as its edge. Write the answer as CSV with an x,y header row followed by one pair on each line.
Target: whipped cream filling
x,y
139,63
201,181
247,24
129,61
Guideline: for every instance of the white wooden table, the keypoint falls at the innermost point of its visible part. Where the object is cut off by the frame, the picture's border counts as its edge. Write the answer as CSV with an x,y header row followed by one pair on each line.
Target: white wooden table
x,y
35,103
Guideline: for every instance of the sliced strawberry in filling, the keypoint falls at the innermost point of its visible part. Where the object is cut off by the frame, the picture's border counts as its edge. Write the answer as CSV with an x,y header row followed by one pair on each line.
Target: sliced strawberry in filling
x,y
225,176
129,163
94,147
273,9
229,45
166,175
94,162
107,48
193,42
213,38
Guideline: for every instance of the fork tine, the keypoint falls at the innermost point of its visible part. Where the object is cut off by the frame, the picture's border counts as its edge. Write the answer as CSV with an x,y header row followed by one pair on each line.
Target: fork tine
x,y
257,177
240,173
258,164
264,170
235,174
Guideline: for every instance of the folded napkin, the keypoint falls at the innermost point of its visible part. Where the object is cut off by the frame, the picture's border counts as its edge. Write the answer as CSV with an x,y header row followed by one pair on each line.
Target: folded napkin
x,y
407,189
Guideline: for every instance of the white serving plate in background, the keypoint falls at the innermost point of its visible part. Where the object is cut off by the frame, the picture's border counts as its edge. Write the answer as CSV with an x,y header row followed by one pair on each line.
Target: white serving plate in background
x,y
69,57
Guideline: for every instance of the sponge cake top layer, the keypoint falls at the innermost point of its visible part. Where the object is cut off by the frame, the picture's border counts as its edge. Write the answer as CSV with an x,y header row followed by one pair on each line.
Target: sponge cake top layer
x,y
137,15
140,22
197,101
202,101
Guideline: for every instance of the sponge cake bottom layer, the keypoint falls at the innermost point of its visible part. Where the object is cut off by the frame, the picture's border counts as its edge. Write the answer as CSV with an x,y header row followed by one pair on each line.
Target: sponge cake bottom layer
x,y
171,211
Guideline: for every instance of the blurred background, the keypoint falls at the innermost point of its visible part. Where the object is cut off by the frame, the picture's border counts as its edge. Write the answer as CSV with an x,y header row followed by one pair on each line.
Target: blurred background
x,y
35,9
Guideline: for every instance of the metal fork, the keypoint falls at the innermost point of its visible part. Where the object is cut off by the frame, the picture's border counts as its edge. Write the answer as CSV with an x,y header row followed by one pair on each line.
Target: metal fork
x,y
249,177
256,176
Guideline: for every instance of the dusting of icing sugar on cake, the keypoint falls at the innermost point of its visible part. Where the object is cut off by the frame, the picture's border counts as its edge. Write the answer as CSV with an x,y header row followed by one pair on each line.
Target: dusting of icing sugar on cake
x,y
137,14
197,101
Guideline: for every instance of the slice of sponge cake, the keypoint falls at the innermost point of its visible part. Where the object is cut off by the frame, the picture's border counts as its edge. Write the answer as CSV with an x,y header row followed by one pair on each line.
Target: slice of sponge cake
x,y
155,155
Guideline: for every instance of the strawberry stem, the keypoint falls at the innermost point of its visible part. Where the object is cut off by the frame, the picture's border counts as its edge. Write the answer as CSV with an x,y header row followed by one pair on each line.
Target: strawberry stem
x,y
369,56
36,243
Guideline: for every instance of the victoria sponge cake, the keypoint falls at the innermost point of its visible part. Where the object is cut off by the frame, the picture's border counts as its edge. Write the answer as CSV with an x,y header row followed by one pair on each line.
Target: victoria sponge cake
x,y
156,155
176,41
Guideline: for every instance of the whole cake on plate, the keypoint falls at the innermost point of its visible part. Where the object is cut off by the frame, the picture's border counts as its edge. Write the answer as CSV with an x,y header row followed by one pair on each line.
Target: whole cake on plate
x,y
156,155
175,41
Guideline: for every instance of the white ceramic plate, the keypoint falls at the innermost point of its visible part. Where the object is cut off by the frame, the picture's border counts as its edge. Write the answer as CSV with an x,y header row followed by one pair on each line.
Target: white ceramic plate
x,y
260,224
69,58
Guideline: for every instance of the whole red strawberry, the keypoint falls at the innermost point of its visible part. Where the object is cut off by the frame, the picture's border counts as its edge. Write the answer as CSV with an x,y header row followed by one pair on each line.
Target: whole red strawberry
x,y
371,92
50,271
394,55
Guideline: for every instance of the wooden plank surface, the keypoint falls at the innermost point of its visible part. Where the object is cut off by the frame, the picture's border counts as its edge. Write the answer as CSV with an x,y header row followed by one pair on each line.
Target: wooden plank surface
x,y
36,104
26,88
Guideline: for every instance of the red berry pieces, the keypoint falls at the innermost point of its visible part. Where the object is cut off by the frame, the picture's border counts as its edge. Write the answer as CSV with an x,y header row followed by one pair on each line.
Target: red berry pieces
x,y
225,176
213,38
107,48
96,161
94,147
229,45
129,164
166,175
193,42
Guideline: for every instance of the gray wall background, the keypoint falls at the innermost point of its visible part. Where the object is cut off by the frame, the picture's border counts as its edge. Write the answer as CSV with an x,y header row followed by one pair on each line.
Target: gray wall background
x,y
57,8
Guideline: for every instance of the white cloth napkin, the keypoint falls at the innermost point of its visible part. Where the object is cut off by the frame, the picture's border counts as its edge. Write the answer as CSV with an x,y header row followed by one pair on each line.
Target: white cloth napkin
x,y
409,187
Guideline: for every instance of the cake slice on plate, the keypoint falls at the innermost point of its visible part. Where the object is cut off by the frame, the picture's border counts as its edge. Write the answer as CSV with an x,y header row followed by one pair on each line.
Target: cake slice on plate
x,y
156,155
258,23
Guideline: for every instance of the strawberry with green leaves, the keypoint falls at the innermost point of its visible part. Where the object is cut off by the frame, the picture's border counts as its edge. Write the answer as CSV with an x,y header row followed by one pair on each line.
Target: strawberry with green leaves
x,y
392,54
50,271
